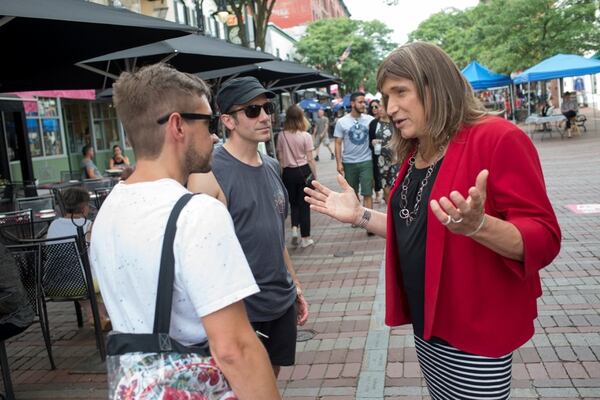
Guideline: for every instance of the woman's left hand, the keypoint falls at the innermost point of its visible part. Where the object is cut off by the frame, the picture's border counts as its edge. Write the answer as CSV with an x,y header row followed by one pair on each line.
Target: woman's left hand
x,y
463,216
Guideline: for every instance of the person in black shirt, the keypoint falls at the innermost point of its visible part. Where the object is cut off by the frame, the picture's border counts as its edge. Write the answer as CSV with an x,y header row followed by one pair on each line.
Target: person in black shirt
x,y
467,229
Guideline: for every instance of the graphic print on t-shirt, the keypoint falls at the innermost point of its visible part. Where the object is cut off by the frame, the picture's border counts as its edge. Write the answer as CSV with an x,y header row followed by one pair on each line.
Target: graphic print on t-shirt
x,y
358,133
279,198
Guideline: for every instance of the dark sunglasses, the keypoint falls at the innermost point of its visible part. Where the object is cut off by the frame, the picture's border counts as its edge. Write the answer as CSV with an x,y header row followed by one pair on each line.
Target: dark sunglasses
x,y
213,120
253,111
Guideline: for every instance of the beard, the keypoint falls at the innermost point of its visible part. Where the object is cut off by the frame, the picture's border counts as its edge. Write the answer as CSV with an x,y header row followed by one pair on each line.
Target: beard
x,y
196,163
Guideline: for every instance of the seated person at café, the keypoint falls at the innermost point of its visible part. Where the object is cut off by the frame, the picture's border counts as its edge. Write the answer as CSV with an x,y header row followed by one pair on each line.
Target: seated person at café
x,y
76,202
569,109
118,160
89,169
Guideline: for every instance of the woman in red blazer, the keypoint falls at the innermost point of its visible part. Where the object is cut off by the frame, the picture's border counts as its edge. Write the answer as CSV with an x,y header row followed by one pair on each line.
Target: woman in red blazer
x,y
467,229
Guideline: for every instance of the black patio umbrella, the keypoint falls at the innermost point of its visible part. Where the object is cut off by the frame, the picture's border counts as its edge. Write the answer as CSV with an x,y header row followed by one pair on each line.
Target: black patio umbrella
x,y
273,74
305,82
192,53
43,39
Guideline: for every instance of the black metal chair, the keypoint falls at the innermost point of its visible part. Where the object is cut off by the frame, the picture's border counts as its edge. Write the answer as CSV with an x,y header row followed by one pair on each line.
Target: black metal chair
x,y
37,204
7,199
27,257
101,195
63,273
92,184
66,176
16,226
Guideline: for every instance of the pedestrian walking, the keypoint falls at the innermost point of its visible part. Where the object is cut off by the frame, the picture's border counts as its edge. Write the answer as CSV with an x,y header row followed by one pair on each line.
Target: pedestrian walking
x,y
294,149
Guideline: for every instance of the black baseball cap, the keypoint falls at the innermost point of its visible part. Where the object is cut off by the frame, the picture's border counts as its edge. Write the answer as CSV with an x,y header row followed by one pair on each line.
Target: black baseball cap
x,y
240,91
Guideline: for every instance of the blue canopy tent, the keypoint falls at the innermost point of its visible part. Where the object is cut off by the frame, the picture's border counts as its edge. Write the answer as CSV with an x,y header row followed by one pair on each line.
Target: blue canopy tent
x,y
310,105
560,66
344,103
481,77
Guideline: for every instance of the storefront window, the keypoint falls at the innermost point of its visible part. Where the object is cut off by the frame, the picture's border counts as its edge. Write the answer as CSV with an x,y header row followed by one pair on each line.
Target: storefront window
x,y
33,133
52,137
105,126
43,128
77,126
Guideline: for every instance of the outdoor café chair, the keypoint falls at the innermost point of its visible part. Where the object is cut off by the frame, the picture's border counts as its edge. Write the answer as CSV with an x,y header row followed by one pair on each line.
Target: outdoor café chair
x,y
7,199
62,273
67,176
101,195
37,204
27,259
92,184
15,226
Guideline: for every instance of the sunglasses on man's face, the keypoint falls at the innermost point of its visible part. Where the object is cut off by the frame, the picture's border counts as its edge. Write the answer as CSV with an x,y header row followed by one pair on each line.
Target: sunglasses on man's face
x,y
253,110
213,120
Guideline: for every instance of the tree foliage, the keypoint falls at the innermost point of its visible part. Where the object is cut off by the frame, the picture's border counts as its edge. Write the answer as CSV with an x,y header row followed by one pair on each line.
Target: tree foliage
x,y
326,39
512,35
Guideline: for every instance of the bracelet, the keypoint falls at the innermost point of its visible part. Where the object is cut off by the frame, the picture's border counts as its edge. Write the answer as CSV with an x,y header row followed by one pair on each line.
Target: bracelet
x,y
364,220
478,228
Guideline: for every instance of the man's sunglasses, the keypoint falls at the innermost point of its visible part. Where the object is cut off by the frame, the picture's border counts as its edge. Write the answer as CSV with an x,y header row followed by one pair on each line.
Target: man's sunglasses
x,y
253,111
213,120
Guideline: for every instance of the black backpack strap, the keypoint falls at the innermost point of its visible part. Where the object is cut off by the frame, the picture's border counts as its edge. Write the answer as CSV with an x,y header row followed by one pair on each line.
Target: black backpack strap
x,y
166,277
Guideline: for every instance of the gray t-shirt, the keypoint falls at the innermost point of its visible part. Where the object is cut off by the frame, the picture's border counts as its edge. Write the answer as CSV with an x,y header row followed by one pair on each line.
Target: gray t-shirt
x,y
321,125
257,202
355,132
85,164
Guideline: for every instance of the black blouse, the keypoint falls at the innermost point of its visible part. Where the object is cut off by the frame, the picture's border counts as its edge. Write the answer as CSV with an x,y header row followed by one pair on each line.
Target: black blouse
x,y
410,242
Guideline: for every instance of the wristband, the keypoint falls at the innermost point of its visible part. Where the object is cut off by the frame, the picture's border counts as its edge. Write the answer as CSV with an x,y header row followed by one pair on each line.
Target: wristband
x,y
478,228
364,220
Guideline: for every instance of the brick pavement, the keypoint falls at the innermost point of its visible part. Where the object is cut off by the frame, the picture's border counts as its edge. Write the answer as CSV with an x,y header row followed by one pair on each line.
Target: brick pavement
x,y
353,355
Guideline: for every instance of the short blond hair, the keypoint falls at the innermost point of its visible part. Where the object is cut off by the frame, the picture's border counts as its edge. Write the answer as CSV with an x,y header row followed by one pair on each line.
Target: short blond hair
x,y
446,95
143,96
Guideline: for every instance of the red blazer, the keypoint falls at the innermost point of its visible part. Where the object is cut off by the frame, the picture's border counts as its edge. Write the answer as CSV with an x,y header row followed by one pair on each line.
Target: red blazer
x,y
475,299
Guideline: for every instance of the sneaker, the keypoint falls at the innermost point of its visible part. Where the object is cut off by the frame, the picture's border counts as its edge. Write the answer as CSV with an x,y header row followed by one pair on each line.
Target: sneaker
x,y
306,242
295,236
316,158
332,156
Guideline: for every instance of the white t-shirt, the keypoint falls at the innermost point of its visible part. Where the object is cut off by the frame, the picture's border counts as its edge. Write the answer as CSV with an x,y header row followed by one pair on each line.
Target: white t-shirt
x,y
211,271
62,227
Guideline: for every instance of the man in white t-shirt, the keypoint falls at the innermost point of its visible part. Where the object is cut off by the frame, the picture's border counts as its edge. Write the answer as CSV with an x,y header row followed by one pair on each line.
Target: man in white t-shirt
x,y
352,151
168,121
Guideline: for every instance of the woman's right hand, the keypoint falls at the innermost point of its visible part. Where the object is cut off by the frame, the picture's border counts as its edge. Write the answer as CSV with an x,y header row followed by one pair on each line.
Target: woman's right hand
x,y
343,206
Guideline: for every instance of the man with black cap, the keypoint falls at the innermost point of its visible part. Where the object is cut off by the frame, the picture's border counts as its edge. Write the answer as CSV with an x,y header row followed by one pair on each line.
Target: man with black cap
x,y
248,183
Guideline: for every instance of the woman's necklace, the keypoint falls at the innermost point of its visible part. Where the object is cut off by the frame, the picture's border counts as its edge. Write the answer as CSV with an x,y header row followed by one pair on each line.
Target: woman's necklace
x,y
405,213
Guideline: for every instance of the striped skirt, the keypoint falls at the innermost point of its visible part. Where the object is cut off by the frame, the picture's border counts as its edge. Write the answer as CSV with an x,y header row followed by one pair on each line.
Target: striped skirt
x,y
453,374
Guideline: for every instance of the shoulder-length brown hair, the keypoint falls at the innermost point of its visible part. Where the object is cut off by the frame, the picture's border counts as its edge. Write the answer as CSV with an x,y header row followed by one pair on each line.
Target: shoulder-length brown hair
x,y
446,95
294,120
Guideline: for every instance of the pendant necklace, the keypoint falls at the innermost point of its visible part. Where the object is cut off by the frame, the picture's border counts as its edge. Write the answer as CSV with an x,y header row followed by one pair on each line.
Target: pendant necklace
x,y
406,214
